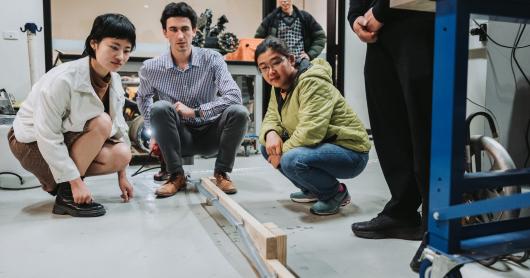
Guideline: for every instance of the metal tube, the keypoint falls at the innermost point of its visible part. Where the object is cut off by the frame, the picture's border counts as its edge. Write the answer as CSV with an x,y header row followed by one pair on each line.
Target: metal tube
x,y
252,250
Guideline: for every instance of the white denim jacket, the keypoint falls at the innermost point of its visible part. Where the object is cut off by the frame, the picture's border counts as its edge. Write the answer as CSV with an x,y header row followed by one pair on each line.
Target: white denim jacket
x,y
64,100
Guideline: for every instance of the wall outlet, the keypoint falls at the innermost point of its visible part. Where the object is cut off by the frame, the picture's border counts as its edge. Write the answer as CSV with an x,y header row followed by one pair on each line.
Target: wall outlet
x,y
10,35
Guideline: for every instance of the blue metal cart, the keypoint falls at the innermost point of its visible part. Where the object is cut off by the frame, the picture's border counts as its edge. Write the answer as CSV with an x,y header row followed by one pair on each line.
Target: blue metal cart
x,y
450,243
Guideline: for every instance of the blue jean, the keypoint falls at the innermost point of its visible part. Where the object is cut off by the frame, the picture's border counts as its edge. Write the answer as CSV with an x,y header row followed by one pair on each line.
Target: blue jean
x,y
316,169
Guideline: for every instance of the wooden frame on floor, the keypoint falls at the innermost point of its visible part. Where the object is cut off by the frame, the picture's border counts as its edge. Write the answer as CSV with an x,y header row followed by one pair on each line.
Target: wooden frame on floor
x,y
269,239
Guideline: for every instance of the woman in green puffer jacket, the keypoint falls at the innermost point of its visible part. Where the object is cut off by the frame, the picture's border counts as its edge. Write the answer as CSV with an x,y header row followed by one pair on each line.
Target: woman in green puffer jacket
x,y
309,132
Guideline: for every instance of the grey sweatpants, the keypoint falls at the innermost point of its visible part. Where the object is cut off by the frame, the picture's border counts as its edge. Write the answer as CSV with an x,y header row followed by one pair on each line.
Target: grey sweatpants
x,y
222,136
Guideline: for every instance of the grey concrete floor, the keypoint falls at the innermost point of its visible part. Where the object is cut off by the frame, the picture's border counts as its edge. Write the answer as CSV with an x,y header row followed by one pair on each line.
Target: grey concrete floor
x,y
181,237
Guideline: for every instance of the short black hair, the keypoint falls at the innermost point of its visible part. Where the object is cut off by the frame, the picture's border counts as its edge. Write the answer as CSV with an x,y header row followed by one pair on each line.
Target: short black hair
x,y
275,44
110,26
180,9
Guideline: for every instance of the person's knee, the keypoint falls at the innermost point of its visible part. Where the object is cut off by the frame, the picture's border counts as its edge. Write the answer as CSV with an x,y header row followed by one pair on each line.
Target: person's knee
x,y
101,125
161,108
238,112
122,155
289,161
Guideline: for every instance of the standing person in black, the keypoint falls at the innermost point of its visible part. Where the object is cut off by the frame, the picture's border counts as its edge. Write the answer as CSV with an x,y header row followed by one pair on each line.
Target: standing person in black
x,y
398,74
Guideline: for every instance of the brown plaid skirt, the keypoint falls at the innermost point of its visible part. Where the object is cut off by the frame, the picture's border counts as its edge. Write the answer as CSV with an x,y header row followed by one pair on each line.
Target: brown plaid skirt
x,y
31,159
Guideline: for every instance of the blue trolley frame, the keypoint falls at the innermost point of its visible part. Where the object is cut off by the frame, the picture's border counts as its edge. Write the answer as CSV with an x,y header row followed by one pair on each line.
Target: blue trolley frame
x,y
448,180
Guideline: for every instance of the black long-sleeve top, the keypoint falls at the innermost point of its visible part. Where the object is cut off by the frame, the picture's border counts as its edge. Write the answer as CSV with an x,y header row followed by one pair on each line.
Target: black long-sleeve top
x,y
360,7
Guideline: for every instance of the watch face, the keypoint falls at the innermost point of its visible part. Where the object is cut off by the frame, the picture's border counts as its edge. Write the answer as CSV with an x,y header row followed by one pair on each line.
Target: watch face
x,y
197,113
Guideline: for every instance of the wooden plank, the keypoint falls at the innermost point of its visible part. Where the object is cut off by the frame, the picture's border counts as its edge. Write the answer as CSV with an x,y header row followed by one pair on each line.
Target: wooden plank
x,y
416,5
279,269
268,238
281,242
264,239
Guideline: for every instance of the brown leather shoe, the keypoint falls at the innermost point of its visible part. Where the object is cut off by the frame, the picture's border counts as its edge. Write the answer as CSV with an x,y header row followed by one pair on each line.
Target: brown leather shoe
x,y
222,180
161,176
172,186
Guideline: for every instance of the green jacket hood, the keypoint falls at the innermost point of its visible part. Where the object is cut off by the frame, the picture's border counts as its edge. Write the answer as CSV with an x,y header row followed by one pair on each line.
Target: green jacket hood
x,y
320,69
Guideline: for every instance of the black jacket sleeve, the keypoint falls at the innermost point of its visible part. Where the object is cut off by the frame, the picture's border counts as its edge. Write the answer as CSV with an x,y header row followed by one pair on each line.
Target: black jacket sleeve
x,y
360,7
316,33
380,10
357,8
263,29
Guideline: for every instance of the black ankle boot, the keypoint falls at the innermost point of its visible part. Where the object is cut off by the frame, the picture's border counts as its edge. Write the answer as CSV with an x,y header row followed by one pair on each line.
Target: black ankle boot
x,y
64,204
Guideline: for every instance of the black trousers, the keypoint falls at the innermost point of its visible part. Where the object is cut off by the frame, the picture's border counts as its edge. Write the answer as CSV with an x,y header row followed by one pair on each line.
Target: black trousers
x,y
398,75
222,136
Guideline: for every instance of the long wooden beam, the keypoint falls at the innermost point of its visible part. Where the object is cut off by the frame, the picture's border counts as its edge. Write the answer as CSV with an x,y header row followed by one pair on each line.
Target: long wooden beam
x,y
269,240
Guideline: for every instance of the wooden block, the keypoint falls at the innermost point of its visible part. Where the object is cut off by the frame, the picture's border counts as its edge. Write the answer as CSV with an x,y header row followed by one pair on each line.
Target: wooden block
x,y
281,242
265,240
279,269
416,5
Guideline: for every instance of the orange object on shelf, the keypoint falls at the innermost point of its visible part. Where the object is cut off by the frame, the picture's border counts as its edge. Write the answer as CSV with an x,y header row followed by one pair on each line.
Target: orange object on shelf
x,y
245,50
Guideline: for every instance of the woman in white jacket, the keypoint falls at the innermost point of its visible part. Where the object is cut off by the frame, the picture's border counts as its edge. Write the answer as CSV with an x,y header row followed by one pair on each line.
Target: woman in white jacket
x,y
71,124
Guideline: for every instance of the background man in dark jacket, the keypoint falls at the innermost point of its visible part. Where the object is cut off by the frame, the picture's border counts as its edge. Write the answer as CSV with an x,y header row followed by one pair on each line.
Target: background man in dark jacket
x,y
304,36
398,76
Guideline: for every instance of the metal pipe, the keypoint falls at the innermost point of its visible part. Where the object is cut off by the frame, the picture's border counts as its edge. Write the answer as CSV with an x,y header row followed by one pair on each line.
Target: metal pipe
x,y
252,250
502,160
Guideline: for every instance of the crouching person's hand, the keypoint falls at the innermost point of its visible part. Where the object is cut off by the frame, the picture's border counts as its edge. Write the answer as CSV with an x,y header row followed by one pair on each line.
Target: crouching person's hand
x,y
273,143
80,192
125,186
274,160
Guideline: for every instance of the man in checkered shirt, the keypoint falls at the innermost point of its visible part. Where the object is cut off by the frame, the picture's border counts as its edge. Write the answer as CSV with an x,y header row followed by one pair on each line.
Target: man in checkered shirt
x,y
297,28
199,109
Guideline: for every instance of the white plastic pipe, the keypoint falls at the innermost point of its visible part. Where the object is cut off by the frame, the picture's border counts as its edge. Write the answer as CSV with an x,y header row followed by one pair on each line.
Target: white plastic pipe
x,y
33,75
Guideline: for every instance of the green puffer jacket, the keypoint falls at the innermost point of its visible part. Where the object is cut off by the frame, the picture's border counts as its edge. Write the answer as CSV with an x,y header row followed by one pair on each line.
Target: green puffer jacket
x,y
314,112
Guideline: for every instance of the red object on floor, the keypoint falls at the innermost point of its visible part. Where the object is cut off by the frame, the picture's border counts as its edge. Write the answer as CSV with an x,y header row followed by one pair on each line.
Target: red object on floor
x,y
156,150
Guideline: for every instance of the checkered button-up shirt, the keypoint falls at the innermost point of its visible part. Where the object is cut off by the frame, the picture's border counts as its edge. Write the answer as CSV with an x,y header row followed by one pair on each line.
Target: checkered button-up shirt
x,y
205,84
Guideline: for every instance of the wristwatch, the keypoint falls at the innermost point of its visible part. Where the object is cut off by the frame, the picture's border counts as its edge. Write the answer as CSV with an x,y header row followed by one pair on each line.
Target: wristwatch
x,y
197,112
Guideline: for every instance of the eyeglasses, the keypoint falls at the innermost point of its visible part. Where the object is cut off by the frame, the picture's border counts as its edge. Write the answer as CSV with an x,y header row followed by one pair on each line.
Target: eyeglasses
x,y
274,64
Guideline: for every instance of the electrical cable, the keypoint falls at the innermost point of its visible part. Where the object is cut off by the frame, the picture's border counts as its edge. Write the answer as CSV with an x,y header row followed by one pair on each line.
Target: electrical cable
x,y
518,39
518,259
511,59
14,174
495,42
485,108
527,144
21,181
145,170
139,171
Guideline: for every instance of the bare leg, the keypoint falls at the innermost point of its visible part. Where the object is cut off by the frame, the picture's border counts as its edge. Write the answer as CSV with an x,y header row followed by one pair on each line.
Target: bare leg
x,y
89,145
112,158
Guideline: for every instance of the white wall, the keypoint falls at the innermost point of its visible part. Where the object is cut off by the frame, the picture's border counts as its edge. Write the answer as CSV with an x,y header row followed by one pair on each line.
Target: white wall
x,y
14,62
509,99
72,20
476,81
354,90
